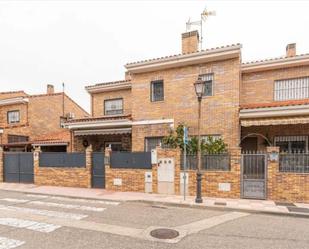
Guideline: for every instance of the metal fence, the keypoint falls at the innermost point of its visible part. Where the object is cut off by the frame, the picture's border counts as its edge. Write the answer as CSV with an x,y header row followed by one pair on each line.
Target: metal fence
x,y
131,160
294,162
62,159
210,162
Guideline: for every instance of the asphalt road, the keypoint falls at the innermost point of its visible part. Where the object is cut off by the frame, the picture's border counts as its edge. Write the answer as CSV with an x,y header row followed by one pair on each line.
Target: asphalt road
x,y
36,221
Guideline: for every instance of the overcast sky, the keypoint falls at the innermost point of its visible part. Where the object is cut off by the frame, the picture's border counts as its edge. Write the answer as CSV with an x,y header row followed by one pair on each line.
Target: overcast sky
x,y
87,42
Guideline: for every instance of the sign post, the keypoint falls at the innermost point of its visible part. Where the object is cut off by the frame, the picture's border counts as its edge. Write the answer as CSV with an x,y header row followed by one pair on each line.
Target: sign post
x,y
185,142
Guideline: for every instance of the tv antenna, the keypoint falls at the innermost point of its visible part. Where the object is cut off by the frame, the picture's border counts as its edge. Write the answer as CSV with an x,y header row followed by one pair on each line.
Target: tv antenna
x,y
204,15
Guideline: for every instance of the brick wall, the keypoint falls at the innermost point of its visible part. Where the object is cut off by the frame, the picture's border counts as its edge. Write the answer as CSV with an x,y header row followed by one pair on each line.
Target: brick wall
x,y
286,186
258,87
219,112
132,179
1,164
211,180
98,101
140,132
65,177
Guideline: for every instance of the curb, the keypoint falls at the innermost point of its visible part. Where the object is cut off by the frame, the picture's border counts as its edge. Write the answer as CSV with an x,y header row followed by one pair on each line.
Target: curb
x,y
224,208
169,204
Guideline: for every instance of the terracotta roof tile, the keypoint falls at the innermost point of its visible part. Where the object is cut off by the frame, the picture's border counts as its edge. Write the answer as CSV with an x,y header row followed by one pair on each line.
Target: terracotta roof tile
x,y
177,55
109,83
275,104
272,59
116,117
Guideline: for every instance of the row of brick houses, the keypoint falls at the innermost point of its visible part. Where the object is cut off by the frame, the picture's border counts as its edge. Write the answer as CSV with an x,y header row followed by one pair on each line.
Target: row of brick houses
x,y
249,104
256,106
36,120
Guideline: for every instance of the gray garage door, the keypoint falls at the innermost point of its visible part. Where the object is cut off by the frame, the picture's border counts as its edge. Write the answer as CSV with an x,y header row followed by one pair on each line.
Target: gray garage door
x,y
18,167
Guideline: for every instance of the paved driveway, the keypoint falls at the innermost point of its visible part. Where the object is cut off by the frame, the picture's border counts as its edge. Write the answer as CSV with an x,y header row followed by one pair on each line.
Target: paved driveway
x,y
42,221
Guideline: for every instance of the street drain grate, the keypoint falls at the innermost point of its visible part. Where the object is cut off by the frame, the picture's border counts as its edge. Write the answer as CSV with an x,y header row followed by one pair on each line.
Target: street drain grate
x,y
298,210
164,233
285,204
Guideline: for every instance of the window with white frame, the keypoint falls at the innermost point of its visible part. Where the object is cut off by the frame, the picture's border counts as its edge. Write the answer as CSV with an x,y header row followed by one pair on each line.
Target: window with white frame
x,y
290,89
113,106
152,142
13,117
157,90
292,144
208,81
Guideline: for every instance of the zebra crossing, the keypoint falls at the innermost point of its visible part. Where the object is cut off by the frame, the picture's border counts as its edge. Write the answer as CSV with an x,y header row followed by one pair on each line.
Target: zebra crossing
x,y
62,209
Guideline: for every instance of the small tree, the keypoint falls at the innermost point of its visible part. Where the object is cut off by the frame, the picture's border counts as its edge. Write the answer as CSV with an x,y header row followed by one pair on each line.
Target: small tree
x,y
211,145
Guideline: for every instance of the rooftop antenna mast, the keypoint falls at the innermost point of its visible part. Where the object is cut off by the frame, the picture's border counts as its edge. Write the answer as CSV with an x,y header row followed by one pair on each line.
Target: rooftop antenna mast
x,y
204,15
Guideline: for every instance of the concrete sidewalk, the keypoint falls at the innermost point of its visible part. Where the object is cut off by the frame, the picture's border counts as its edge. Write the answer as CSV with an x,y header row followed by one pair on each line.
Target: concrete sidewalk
x,y
263,206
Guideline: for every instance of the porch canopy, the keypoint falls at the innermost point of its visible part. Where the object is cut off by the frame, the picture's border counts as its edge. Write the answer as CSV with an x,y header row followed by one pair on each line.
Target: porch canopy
x,y
275,113
120,124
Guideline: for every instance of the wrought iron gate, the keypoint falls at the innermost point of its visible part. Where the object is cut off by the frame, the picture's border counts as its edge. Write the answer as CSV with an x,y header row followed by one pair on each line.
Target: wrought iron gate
x,y
98,170
254,176
18,167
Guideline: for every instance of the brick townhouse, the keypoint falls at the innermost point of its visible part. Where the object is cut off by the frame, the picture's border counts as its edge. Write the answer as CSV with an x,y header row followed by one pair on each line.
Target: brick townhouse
x,y
36,120
251,105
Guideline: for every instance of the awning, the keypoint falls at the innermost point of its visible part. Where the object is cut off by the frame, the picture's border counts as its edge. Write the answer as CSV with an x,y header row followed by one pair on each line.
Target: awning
x,y
275,121
103,132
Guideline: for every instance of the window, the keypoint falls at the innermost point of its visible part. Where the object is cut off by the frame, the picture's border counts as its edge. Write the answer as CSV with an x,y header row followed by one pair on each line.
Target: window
x,y
292,144
113,106
114,146
152,142
157,90
17,139
13,117
208,80
291,89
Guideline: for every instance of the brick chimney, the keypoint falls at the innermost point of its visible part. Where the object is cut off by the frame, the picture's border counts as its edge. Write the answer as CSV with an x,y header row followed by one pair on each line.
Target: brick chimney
x,y
291,50
50,89
190,42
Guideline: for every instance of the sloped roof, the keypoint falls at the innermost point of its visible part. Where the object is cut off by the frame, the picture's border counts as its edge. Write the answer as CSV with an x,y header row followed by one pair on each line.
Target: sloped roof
x,y
175,56
275,104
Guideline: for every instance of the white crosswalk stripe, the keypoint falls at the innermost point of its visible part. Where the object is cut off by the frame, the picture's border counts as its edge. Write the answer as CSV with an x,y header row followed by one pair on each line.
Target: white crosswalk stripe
x,y
59,198
30,225
49,213
67,206
6,243
53,204
14,200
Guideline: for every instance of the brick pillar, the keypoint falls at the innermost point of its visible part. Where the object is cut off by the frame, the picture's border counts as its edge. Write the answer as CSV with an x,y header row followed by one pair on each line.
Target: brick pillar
x,y
36,169
167,153
272,169
1,164
89,165
108,175
235,172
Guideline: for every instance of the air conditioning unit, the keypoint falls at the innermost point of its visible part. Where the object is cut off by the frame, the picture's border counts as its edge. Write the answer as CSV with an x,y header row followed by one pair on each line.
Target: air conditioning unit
x,y
70,115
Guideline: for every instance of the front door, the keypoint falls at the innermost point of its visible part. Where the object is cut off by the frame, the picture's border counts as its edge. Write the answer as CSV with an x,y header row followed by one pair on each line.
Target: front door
x,y
98,170
254,176
166,176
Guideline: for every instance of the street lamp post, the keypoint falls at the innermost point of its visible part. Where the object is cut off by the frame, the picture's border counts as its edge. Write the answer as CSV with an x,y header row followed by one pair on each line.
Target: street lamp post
x,y
199,86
